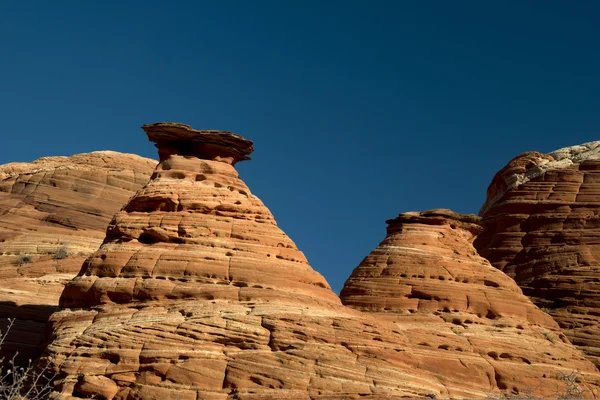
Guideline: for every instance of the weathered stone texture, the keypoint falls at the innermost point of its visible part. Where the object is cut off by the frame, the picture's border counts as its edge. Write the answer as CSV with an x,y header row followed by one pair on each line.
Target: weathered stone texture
x,y
196,293
542,227
467,319
53,213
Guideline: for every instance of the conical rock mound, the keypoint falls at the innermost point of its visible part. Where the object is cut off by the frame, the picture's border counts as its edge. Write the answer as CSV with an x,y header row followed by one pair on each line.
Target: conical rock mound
x,y
195,231
542,227
466,319
197,294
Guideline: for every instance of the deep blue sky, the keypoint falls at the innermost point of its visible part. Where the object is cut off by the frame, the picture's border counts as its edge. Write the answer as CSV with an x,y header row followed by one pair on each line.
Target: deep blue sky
x,y
359,109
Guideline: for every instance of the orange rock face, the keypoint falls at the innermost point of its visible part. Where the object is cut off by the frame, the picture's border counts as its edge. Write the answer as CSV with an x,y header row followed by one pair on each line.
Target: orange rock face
x,y
53,213
196,293
542,227
466,319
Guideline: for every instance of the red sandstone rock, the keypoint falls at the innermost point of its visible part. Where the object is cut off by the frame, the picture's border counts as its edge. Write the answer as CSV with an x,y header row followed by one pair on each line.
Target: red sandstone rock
x,y
197,294
54,212
542,227
466,319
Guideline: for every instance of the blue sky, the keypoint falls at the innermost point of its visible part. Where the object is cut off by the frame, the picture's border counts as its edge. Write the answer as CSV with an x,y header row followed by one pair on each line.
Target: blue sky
x,y
359,110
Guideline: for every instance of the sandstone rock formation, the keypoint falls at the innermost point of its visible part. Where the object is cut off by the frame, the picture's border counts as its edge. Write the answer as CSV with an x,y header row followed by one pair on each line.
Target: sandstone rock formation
x,y
53,213
542,227
197,294
465,319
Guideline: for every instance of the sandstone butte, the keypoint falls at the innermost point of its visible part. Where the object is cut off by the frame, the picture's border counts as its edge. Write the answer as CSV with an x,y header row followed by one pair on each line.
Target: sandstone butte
x,y
464,319
542,227
196,293
53,213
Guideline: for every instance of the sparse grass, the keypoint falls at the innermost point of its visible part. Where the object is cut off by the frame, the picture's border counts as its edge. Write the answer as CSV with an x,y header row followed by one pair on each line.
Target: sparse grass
x,y
62,252
549,336
23,259
23,383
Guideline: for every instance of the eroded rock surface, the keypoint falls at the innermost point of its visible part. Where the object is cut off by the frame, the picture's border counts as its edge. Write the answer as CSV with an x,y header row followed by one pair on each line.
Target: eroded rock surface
x,y
465,319
542,227
197,294
53,214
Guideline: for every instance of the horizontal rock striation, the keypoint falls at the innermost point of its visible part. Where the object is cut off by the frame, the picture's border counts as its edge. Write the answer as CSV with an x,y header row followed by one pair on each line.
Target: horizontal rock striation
x,y
542,227
467,320
197,294
53,213
195,231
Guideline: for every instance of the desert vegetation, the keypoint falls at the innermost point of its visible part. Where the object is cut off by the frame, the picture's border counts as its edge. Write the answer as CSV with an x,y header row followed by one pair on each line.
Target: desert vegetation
x,y
23,258
32,382
570,391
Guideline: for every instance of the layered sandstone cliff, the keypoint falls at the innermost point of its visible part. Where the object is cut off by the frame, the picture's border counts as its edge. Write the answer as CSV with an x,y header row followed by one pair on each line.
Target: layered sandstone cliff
x,y
542,227
465,319
53,213
197,294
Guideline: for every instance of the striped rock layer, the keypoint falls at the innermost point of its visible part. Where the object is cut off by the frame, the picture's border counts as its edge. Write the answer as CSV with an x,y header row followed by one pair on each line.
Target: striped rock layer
x,y
542,227
466,319
197,294
53,213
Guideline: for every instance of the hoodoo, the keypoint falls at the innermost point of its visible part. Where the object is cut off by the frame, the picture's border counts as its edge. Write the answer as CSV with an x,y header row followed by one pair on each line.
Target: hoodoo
x,y
197,294
195,231
542,227
466,319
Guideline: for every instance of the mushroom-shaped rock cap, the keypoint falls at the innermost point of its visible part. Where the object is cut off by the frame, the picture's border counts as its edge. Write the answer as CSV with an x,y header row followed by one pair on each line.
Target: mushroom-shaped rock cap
x,y
175,138
437,216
